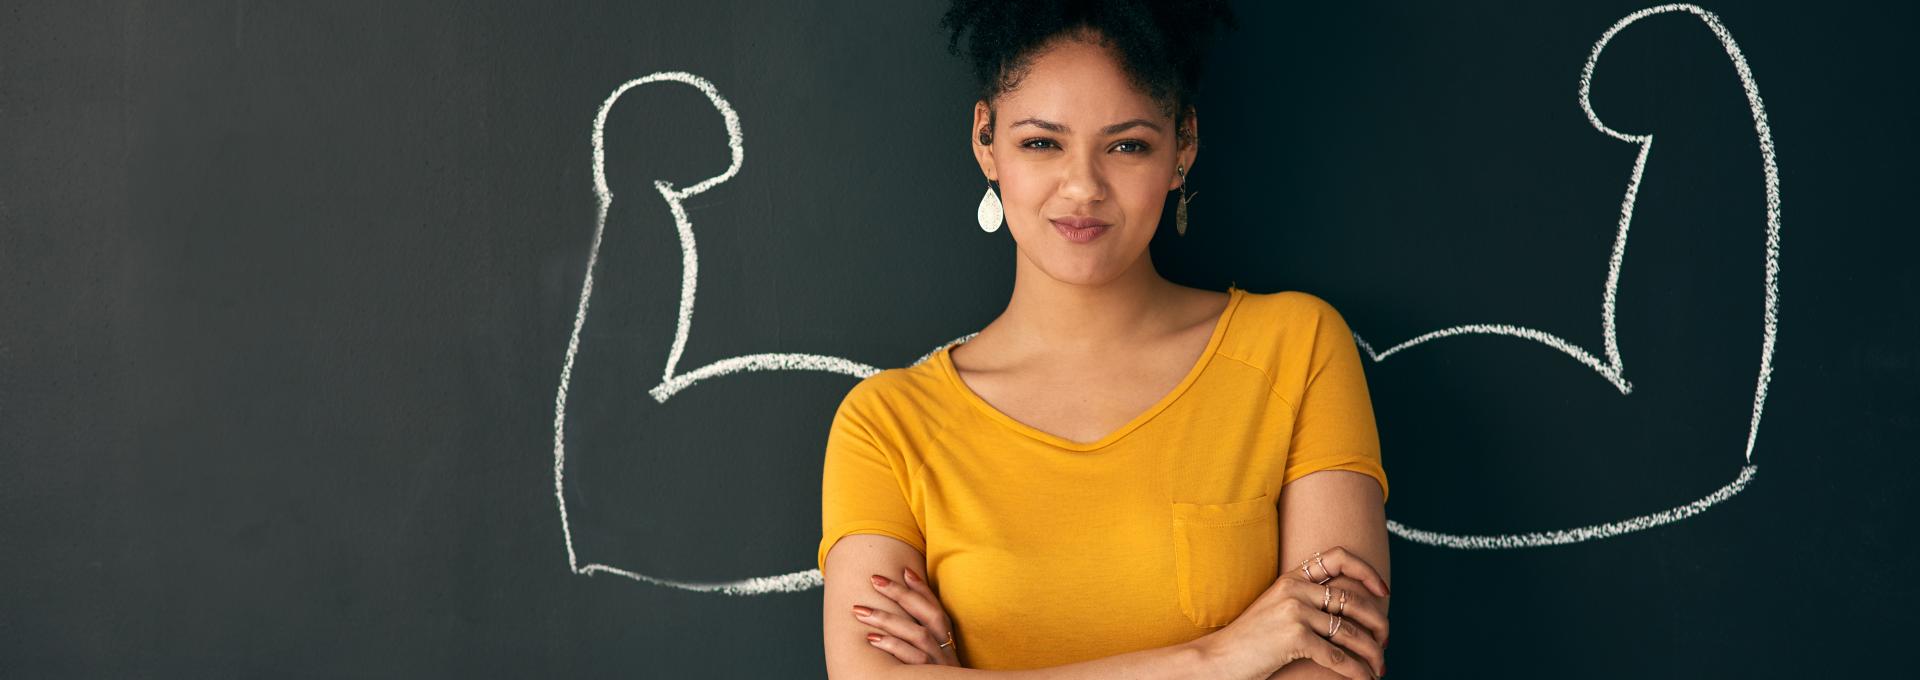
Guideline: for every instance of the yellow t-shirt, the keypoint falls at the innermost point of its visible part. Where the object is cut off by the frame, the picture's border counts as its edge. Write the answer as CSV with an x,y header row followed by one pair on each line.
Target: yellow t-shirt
x,y
1046,551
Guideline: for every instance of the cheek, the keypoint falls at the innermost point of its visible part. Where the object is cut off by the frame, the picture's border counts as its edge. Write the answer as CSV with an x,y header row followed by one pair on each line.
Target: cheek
x,y
1021,187
1023,198
1145,200
1140,196
1128,186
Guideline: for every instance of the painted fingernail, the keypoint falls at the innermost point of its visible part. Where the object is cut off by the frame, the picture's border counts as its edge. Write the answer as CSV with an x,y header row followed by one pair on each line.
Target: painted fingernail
x,y
912,576
862,611
873,637
881,581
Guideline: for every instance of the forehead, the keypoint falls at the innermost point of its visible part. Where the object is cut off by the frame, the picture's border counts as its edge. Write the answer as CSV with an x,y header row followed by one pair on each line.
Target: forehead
x,y
1079,84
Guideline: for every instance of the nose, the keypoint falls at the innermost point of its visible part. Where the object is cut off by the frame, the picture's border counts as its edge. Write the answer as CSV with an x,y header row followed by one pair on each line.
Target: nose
x,y
1082,181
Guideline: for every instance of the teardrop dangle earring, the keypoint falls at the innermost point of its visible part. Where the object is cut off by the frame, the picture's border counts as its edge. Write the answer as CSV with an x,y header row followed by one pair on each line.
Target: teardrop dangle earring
x,y
1180,213
991,214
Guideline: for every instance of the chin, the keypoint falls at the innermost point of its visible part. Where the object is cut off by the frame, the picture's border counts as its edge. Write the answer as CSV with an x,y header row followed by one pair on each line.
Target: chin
x,y
1086,270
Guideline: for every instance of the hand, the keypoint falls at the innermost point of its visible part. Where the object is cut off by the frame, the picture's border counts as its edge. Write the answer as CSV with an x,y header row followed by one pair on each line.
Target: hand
x,y
915,639
1288,621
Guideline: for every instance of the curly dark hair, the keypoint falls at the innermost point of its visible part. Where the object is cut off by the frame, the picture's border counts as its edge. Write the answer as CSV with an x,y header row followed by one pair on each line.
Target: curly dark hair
x,y
1161,44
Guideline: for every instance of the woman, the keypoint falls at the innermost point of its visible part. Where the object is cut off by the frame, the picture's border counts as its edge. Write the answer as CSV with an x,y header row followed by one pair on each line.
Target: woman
x,y
1119,476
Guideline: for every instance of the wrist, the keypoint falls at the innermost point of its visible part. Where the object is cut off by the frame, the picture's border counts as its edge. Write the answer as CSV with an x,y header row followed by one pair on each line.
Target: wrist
x,y
1221,659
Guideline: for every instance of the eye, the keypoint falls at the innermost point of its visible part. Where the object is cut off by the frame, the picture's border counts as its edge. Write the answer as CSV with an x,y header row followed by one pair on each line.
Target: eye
x,y
1141,147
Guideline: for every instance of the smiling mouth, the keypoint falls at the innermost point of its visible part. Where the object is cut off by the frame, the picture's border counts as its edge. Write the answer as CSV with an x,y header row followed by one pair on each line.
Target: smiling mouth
x,y
1081,234
1080,222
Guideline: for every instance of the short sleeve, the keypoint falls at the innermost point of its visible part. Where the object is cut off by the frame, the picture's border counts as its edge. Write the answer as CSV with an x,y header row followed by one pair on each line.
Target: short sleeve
x,y
863,485
1333,428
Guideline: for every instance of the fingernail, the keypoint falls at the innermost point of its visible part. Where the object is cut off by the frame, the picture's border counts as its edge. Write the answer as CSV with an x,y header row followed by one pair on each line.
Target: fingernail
x,y
862,611
912,576
881,581
873,637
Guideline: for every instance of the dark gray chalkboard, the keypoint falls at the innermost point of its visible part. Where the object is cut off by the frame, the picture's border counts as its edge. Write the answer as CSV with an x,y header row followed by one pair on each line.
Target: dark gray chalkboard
x,y
294,297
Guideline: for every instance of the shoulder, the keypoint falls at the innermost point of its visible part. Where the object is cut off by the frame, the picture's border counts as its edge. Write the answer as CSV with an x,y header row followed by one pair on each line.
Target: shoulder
x,y
1287,334
1291,308
1282,320
892,393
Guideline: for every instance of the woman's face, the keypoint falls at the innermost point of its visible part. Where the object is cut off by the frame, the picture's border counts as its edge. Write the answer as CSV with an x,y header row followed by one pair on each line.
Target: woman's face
x,y
1076,140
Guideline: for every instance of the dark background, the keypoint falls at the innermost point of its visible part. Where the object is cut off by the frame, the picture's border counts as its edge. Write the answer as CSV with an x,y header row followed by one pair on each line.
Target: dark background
x,y
287,293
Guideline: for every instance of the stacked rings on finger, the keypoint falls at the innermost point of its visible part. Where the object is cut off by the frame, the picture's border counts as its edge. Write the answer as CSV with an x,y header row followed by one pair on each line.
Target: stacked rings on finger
x,y
1343,603
1326,603
1309,573
1333,627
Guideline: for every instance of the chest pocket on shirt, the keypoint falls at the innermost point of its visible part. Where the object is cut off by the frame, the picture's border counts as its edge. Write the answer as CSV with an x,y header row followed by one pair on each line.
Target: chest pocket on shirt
x,y
1224,556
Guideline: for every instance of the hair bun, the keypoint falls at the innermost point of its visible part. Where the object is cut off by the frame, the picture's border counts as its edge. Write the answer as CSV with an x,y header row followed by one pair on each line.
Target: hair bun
x,y
1161,43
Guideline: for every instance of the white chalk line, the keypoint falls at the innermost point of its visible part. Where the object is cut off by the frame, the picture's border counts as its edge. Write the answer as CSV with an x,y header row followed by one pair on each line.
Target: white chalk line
x,y
1587,533
1614,369
672,383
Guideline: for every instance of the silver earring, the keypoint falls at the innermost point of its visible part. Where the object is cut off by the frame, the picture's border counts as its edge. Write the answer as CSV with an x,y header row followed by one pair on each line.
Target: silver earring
x,y
1180,213
991,214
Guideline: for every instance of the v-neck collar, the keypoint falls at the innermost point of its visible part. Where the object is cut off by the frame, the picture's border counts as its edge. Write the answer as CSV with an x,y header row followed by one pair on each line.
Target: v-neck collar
x,y
945,359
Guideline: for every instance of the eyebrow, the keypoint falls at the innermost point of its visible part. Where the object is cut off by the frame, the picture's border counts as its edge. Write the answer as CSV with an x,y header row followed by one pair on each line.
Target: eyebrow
x,y
1110,129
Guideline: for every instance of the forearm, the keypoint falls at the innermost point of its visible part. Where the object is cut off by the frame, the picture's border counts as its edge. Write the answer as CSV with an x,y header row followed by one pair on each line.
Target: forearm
x,y
1195,660
1305,669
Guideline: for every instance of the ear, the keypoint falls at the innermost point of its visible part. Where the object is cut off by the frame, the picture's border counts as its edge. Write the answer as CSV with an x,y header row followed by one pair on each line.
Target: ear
x,y
981,136
1188,143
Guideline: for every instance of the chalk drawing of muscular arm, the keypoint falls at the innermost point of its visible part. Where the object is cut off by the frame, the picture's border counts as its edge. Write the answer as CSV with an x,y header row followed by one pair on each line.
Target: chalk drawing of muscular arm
x,y
674,381
1613,370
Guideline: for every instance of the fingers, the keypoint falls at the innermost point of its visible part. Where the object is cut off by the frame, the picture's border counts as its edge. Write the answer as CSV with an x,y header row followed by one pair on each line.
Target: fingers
x,y
906,653
1358,641
1360,607
1338,561
922,603
905,638
1338,660
1322,601
924,627
1362,629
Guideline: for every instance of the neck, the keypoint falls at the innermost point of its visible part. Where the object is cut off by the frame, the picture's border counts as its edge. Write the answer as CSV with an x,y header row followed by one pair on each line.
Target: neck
x,y
1056,315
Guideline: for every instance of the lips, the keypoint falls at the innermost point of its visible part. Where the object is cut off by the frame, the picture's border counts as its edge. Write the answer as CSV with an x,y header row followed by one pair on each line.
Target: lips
x,y
1085,234
1080,222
